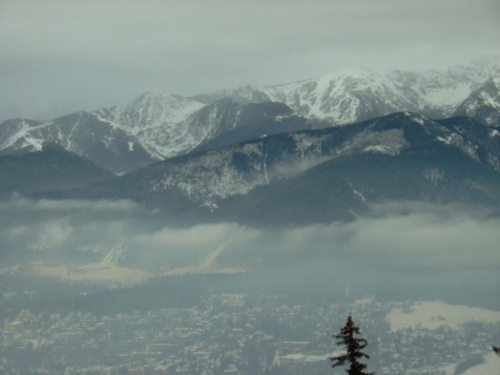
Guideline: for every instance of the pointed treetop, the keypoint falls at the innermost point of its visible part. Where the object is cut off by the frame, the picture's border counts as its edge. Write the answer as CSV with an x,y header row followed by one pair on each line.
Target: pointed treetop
x,y
353,345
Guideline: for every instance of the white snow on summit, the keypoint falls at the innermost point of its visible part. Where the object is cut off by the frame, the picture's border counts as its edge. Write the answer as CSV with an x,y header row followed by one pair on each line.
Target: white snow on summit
x,y
359,94
161,125
156,119
348,96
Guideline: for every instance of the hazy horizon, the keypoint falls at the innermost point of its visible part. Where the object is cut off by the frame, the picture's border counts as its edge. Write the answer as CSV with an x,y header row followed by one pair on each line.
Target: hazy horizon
x,y
59,57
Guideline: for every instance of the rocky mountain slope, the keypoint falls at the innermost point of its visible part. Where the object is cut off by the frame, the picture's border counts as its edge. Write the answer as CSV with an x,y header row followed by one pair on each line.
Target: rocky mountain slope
x,y
153,127
169,126
483,104
322,175
51,167
81,133
153,119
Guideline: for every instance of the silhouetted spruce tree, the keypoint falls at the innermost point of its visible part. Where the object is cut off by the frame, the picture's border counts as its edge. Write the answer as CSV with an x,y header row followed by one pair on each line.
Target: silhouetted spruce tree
x,y
354,347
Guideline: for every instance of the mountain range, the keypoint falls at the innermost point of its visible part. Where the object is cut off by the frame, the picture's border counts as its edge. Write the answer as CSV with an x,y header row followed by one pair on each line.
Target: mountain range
x,y
317,150
357,95
157,125
319,175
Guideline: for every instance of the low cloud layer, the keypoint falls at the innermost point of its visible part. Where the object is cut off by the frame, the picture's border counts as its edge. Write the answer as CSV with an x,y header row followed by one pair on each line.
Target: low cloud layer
x,y
418,232
402,247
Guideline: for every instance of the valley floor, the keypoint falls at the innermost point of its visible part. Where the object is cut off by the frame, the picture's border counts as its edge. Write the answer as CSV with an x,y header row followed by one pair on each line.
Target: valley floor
x,y
240,334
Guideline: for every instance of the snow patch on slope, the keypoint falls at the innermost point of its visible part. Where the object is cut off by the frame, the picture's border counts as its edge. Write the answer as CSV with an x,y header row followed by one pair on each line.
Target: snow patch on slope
x,y
490,366
307,144
154,109
458,141
390,142
157,121
214,176
237,170
22,135
449,96
433,175
432,315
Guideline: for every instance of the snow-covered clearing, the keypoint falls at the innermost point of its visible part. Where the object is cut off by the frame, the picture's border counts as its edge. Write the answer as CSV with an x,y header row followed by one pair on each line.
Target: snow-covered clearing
x,y
434,314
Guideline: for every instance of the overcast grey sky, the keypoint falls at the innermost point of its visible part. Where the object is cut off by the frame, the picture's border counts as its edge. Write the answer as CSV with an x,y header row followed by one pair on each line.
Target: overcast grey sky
x,y
63,55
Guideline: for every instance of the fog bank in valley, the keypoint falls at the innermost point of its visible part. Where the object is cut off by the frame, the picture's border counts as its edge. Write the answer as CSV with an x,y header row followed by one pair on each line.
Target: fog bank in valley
x,y
399,251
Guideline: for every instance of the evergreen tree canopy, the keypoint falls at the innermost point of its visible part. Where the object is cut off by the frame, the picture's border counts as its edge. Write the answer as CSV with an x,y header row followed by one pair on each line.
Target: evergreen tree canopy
x,y
354,347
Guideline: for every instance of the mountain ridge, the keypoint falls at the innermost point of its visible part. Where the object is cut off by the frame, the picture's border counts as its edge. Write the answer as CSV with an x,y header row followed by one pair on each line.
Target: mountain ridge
x,y
401,156
157,125
51,167
337,96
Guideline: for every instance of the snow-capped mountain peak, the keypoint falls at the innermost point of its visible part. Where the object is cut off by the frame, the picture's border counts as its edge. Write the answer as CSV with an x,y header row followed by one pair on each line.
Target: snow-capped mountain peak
x,y
150,110
483,104
158,125
156,120
358,94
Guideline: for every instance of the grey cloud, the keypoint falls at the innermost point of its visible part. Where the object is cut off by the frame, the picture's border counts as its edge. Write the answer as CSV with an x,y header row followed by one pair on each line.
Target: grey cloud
x,y
405,232
52,234
424,235
199,235
84,55
404,249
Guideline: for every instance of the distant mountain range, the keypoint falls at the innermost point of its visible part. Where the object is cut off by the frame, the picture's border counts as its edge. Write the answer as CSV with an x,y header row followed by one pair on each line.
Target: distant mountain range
x,y
157,125
357,95
317,150
320,175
